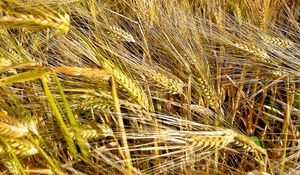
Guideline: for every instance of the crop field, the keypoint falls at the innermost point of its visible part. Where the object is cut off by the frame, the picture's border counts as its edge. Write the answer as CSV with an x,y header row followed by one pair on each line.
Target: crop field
x,y
150,87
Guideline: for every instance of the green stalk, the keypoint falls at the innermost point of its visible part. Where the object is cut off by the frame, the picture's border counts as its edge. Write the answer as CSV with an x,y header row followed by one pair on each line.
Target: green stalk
x,y
14,156
72,119
59,119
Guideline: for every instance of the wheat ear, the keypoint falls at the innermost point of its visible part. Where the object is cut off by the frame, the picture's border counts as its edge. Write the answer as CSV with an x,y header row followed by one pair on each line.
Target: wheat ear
x,y
128,85
89,133
103,101
60,23
247,144
238,14
208,93
285,43
256,51
10,127
21,147
173,85
120,34
210,139
11,166
98,101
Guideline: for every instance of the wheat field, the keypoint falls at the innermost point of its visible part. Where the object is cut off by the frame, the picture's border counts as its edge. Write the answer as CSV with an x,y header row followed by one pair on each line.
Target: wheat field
x,y
150,87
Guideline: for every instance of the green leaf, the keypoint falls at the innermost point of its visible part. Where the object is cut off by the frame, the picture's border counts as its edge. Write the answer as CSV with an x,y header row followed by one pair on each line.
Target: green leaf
x,y
25,76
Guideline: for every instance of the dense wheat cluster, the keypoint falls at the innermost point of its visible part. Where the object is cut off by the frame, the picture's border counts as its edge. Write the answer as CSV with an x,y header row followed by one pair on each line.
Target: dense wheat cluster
x,y
150,87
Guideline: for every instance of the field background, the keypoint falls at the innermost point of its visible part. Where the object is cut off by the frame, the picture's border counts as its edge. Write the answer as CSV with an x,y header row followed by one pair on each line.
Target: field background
x,y
150,87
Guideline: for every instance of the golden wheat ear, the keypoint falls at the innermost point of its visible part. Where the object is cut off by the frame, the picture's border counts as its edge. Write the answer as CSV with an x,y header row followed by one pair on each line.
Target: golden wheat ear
x,y
275,41
11,166
21,147
89,132
174,85
60,22
210,139
127,84
120,34
10,127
